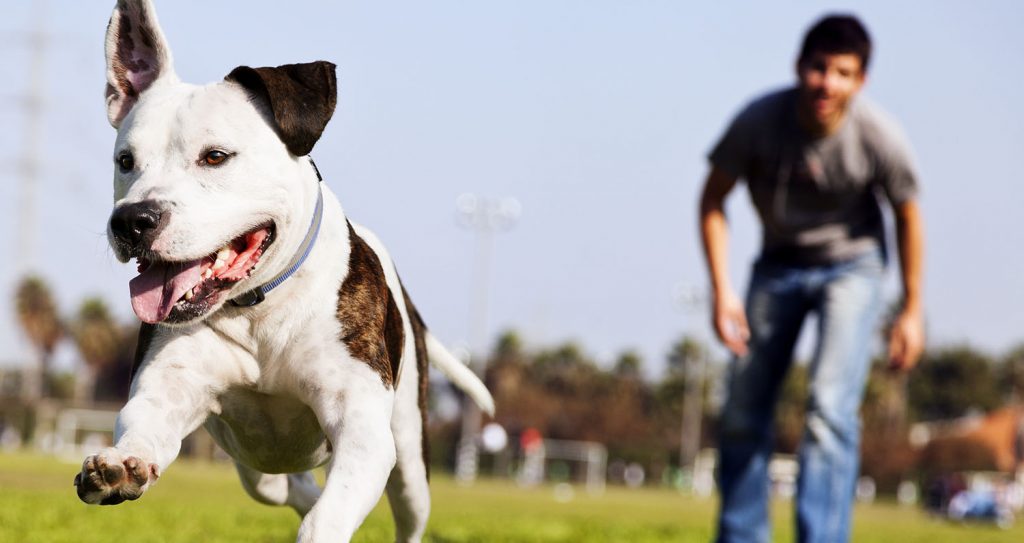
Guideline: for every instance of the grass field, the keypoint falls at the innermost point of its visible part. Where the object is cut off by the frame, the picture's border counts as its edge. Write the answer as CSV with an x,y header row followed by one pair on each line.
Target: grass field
x,y
201,502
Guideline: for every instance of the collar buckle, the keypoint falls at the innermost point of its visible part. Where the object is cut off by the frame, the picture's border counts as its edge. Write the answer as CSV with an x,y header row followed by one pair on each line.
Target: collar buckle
x,y
249,299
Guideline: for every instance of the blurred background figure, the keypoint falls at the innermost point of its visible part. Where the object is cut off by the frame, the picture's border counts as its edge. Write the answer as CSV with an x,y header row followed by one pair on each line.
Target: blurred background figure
x,y
817,160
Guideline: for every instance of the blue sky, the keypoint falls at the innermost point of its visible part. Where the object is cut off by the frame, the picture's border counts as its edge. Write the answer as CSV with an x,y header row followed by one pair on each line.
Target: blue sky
x,y
596,115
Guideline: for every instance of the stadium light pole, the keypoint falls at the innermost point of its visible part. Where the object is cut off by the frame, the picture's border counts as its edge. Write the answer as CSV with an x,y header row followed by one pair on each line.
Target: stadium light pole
x,y
484,217
692,300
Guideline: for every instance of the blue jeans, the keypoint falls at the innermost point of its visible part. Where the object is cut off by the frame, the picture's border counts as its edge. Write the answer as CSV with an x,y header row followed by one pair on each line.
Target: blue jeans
x,y
846,298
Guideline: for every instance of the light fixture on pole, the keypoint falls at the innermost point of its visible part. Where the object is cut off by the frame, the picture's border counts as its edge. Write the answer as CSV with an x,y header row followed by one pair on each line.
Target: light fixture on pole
x,y
484,217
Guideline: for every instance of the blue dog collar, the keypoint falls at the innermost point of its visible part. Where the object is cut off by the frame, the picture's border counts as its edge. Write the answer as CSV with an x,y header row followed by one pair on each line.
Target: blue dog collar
x,y
258,294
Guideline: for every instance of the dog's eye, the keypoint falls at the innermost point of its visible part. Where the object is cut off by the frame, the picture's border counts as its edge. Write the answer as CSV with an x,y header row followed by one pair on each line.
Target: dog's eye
x,y
126,162
215,157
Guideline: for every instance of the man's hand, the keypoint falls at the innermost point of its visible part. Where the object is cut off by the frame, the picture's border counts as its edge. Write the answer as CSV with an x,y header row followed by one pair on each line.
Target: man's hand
x,y
906,340
730,322
728,317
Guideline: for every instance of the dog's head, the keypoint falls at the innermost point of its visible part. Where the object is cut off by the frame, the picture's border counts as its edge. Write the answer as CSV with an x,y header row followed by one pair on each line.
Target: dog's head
x,y
211,193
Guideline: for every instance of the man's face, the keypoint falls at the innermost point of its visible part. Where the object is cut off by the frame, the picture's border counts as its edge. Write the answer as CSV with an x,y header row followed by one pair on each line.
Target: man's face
x,y
827,83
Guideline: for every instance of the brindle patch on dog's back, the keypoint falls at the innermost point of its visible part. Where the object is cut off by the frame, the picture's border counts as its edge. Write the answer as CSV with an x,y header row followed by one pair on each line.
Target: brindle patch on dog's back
x,y
371,325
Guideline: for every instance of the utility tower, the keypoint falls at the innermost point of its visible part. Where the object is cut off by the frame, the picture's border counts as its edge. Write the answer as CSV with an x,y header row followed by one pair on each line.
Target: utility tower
x,y
27,173
28,165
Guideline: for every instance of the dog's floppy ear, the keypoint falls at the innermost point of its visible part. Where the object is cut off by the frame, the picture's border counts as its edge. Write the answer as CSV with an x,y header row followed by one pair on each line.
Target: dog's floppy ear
x,y
301,98
137,55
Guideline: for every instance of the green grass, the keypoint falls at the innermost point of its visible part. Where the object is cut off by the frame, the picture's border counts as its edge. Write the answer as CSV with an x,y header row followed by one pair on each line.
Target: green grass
x,y
201,502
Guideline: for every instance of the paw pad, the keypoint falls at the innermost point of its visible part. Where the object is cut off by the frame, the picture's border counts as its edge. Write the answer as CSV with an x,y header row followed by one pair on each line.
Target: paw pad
x,y
109,479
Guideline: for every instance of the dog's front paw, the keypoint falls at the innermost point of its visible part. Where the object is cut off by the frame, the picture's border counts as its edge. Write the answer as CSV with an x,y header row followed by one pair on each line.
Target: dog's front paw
x,y
110,477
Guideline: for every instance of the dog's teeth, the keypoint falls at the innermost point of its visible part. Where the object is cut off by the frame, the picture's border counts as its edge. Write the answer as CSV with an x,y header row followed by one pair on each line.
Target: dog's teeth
x,y
208,273
219,264
223,254
189,295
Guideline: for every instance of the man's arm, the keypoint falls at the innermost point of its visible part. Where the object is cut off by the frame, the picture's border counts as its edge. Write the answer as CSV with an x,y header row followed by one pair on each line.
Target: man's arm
x,y
906,341
728,315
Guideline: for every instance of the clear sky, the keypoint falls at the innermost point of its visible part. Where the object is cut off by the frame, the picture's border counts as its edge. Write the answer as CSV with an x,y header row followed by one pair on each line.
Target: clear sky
x,y
596,115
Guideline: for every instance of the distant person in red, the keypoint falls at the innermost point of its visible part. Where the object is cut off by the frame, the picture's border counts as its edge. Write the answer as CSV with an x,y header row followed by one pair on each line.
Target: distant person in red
x,y
530,439
819,161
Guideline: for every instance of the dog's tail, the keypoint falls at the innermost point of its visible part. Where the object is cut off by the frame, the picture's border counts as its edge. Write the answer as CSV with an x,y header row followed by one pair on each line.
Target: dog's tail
x,y
459,374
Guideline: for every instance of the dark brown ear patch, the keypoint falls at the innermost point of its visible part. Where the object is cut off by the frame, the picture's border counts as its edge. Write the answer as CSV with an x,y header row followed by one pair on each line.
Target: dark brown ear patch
x,y
371,325
300,97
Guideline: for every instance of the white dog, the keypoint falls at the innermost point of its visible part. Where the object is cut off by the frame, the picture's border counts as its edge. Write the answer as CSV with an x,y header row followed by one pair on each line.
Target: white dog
x,y
269,317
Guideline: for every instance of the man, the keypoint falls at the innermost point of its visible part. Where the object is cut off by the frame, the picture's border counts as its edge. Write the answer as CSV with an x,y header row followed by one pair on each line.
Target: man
x,y
816,159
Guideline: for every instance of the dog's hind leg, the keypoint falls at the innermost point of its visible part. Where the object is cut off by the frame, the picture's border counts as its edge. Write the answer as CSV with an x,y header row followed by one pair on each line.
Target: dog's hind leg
x,y
407,488
297,490
409,494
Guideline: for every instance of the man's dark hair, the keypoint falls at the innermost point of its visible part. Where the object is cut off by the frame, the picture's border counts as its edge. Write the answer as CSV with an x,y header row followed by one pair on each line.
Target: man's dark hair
x,y
838,34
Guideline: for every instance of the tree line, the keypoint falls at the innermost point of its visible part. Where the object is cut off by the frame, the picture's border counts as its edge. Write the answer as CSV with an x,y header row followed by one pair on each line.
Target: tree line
x,y
565,393
105,347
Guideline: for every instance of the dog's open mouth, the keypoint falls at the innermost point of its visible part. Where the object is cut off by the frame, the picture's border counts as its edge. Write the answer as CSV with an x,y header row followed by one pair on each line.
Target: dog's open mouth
x,y
181,291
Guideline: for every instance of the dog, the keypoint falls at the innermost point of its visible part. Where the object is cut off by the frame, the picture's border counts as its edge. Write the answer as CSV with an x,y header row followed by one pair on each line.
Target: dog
x,y
268,316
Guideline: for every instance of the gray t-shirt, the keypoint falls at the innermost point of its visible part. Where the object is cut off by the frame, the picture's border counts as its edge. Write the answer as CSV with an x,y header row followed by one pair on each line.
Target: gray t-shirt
x,y
818,198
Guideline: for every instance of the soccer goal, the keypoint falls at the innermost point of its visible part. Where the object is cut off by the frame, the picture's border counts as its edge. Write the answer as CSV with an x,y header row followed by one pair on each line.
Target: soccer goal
x,y
590,456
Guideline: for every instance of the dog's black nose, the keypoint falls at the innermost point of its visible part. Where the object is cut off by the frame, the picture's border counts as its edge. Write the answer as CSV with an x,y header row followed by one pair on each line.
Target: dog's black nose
x,y
136,224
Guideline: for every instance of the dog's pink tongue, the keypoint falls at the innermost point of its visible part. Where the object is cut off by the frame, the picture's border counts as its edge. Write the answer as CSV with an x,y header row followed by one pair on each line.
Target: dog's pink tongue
x,y
156,290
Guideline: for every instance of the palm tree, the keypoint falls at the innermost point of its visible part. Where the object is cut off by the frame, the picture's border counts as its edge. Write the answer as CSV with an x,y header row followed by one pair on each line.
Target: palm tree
x,y
628,366
38,317
685,353
688,360
1011,374
98,339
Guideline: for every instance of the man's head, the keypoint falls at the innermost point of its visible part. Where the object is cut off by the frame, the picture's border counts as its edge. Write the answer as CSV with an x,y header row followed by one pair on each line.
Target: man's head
x,y
832,68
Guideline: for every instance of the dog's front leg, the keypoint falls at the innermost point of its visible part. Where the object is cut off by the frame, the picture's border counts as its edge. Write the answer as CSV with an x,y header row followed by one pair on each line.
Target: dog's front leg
x,y
172,395
354,408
